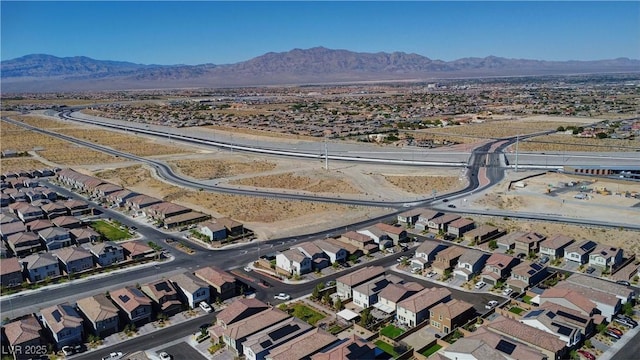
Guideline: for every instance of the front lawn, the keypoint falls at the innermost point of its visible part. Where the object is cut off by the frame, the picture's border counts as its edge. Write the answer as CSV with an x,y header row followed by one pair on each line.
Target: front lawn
x,y
527,299
307,314
392,332
110,231
386,348
431,350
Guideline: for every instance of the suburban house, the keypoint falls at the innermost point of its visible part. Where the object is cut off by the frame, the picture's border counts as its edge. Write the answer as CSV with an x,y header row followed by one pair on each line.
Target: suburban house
x,y
240,309
74,259
24,243
447,259
460,227
84,235
55,238
360,241
397,234
213,231
76,207
354,348
607,304
547,343
10,273
579,252
379,237
392,294
119,198
165,210
40,266
426,253
498,268
622,292
100,315
294,261
224,284
233,227
605,256
569,299
236,334
104,190
482,234
410,217
447,316
134,304
319,260
570,316
483,344
441,223
303,346
526,274
192,289
365,295
548,321
28,213
10,228
67,222
425,216
164,296
415,309
333,251
105,253
24,333
139,202
38,225
470,264
65,324
258,345
53,210
346,283
554,246
528,242
137,250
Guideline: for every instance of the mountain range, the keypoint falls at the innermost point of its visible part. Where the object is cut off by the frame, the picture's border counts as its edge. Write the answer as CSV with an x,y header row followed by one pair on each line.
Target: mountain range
x,y
319,65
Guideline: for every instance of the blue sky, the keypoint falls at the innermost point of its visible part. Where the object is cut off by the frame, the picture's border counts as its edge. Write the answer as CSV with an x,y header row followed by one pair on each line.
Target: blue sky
x,y
162,32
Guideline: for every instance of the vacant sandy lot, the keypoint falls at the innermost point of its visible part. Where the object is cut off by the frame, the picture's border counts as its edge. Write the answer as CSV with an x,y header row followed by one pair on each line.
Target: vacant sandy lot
x,y
316,182
426,185
206,169
21,163
567,142
44,122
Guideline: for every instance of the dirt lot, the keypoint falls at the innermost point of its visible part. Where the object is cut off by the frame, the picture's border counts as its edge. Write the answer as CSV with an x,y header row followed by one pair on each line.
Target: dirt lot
x,y
566,142
206,169
316,182
560,200
426,184
21,163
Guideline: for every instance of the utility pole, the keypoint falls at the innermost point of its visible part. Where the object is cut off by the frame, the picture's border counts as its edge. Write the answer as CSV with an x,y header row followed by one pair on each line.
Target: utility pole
x,y
517,141
326,155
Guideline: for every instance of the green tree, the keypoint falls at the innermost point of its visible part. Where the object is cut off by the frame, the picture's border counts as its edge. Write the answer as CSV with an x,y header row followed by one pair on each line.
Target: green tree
x,y
338,304
326,298
627,309
315,295
560,128
365,318
493,244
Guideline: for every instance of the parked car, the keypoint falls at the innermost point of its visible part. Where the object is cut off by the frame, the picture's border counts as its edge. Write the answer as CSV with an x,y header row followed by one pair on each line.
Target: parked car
x,y
75,349
587,354
627,319
164,356
623,282
507,291
116,355
612,334
616,331
431,274
480,284
451,206
590,270
206,307
491,304
282,296
247,269
624,322
544,260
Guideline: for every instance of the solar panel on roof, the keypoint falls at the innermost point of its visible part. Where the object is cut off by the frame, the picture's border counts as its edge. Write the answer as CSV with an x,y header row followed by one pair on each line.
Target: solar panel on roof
x,y
550,314
579,319
56,315
562,330
265,344
505,347
534,313
283,331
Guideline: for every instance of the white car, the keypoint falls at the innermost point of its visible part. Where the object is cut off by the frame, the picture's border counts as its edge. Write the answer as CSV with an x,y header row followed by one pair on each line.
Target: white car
x,y
491,304
480,284
164,356
206,307
507,291
282,296
431,274
247,269
116,355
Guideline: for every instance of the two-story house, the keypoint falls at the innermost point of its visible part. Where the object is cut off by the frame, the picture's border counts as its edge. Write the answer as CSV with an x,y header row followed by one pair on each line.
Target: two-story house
x,y
579,252
427,215
67,222
164,296
77,207
74,259
100,314
529,242
346,283
498,268
10,273
223,283
235,334
53,210
294,261
526,274
39,267
334,252
482,234
213,231
24,243
192,289
135,305
392,294
548,344
105,253
395,233
136,250
554,246
548,321
447,259
64,323
366,294
605,256
410,217
28,213
55,238
362,242
460,227
441,223
38,225
319,260
415,309
447,316
426,253
470,264
25,333
259,345
84,235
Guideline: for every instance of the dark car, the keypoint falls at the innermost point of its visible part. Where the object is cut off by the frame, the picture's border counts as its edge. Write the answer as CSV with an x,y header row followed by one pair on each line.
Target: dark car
x,y
451,206
612,334
628,319
445,200
590,270
623,282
